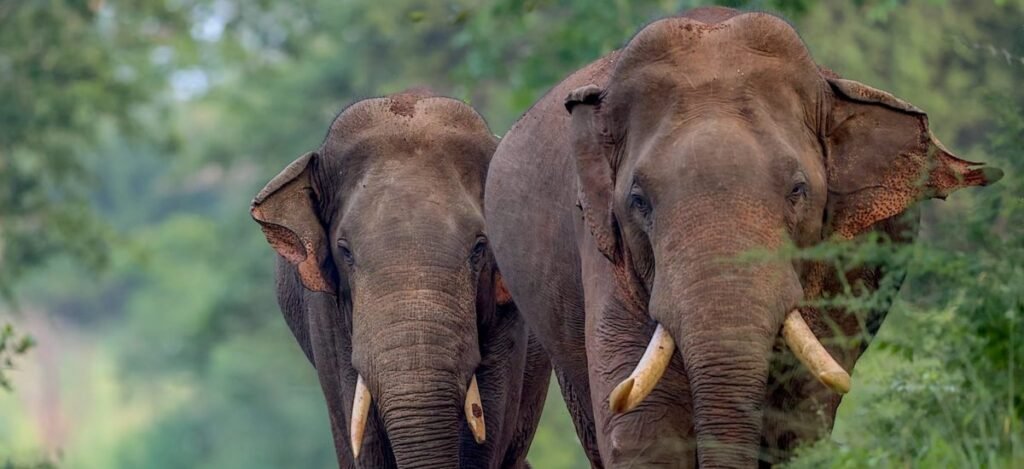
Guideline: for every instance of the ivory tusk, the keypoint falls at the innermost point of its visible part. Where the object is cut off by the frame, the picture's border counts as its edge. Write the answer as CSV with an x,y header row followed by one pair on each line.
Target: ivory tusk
x,y
475,412
360,411
633,390
802,341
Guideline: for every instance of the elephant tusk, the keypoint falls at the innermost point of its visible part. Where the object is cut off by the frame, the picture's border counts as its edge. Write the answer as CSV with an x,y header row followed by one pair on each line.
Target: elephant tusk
x,y
360,411
475,412
801,340
632,391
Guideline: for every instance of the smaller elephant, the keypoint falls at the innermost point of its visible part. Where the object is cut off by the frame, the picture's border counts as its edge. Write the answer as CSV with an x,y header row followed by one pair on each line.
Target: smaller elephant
x,y
386,280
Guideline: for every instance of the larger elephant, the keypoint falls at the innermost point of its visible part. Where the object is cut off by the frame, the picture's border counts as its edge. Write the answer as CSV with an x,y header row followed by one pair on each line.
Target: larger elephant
x,y
617,226
386,280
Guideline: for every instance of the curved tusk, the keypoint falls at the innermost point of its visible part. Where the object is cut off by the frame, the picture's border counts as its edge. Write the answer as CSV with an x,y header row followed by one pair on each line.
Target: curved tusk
x,y
801,340
360,411
475,412
631,392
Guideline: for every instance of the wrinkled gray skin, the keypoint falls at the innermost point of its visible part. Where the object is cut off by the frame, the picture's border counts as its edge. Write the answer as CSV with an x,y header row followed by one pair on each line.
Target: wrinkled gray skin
x,y
384,271
709,135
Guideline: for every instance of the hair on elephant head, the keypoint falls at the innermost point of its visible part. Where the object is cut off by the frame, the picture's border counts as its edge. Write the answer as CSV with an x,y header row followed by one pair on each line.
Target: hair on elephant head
x,y
384,225
715,139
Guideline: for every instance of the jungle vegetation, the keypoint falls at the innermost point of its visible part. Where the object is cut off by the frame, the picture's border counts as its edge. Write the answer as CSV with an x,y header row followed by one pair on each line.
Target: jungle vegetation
x,y
138,325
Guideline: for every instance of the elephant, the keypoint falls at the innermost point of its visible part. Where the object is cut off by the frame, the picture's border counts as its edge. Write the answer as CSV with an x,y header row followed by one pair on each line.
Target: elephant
x,y
385,278
620,207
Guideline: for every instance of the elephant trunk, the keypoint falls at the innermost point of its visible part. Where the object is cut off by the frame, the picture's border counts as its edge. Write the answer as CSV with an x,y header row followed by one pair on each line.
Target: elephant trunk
x,y
417,352
725,316
421,414
728,374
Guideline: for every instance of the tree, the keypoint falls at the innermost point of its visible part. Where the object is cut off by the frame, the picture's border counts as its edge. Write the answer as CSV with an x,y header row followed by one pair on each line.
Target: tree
x,y
68,70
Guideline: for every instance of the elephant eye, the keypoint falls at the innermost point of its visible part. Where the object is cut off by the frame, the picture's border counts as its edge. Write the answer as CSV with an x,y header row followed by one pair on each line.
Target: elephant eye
x,y
798,193
346,252
640,203
479,249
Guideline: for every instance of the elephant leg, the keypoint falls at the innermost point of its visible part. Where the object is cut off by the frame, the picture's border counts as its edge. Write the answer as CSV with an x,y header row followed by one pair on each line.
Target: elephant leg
x,y
330,340
798,409
325,343
659,431
503,350
536,377
577,400
316,322
291,298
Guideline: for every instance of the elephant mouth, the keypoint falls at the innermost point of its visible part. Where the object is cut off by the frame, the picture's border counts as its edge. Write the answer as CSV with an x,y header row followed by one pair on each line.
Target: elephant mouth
x,y
473,408
795,332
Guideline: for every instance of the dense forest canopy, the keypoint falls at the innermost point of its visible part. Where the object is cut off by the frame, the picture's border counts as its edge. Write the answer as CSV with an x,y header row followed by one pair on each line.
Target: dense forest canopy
x,y
134,134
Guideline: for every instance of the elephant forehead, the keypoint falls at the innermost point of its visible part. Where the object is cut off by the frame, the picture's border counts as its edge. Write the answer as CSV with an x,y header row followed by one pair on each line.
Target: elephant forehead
x,y
415,128
395,195
410,116
411,139
750,56
439,159
758,34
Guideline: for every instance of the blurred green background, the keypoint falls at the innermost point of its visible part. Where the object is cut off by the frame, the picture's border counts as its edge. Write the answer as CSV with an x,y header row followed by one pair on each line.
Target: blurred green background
x,y
138,326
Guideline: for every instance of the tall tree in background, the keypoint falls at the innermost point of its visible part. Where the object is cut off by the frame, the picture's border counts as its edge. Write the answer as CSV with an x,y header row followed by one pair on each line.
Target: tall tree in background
x,y
67,69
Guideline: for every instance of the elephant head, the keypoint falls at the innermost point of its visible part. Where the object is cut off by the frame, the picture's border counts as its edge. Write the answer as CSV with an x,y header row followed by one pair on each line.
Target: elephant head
x,y
714,139
385,219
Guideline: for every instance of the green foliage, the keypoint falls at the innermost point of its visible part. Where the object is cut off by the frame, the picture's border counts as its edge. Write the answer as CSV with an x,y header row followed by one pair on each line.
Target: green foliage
x,y
11,346
940,386
68,68
133,135
948,392
36,465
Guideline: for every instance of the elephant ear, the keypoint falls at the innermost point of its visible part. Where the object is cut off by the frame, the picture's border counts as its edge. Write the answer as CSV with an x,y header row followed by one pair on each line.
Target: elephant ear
x,y
285,209
592,148
882,157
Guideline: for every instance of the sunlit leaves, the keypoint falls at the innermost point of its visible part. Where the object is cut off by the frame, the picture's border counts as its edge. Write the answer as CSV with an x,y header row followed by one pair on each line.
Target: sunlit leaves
x,y
11,345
